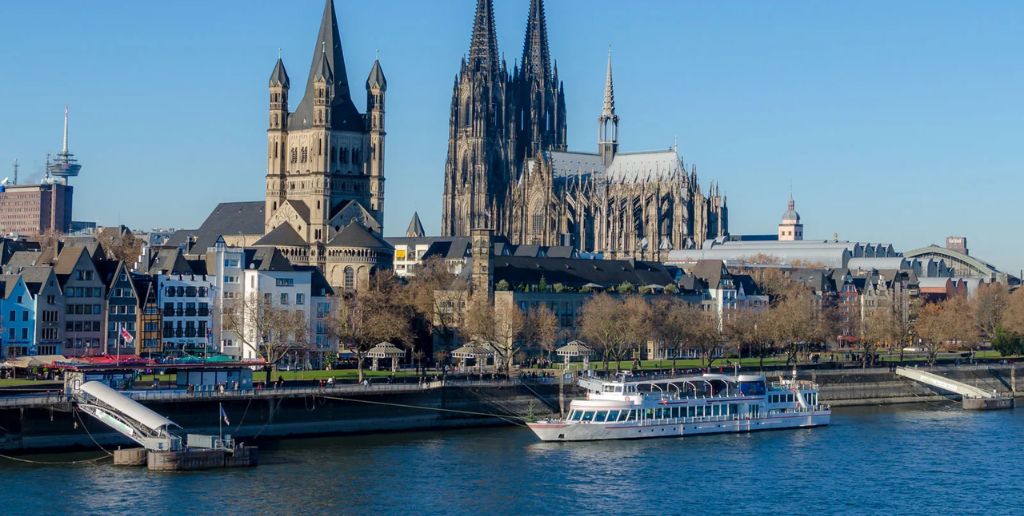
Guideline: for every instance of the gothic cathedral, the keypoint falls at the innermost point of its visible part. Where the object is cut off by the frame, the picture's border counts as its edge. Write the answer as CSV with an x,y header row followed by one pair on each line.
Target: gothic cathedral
x,y
508,168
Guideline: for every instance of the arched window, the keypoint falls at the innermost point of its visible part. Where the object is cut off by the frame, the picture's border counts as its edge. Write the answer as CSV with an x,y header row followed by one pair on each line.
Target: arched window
x,y
350,278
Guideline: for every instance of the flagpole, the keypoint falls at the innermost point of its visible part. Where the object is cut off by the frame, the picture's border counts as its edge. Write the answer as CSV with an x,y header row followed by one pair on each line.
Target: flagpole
x,y
220,421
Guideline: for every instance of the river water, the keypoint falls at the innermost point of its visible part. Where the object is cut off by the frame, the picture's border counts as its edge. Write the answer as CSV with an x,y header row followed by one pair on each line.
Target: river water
x,y
933,458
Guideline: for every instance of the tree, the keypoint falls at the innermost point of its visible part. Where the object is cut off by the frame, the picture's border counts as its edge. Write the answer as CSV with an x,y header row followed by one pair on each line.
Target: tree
x,y
508,331
636,327
1007,343
988,305
269,332
542,328
120,244
601,325
370,316
750,329
794,320
1013,316
940,326
625,288
879,329
702,334
436,295
670,323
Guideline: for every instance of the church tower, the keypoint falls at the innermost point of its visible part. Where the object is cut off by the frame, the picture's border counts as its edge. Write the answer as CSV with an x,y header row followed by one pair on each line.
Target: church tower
x,y
477,171
539,110
325,157
790,228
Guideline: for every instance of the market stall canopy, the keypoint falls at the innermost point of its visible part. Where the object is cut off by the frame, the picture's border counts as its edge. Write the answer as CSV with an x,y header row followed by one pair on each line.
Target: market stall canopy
x,y
33,361
385,350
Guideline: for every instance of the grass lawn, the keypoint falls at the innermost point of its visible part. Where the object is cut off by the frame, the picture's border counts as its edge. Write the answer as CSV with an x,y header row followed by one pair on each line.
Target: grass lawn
x,y
18,382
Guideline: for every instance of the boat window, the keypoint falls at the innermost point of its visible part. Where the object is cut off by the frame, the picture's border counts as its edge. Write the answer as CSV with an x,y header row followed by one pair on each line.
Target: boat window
x,y
691,412
576,415
752,388
600,416
613,416
650,414
588,415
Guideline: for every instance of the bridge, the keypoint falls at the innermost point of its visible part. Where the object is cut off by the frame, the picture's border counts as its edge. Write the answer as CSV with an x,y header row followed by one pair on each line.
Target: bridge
x,y
973,397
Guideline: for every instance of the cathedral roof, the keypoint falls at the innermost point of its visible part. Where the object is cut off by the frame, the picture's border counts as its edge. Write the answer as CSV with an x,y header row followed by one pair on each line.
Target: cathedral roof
x,y
327,53
356,235
283,236
625,167
228,218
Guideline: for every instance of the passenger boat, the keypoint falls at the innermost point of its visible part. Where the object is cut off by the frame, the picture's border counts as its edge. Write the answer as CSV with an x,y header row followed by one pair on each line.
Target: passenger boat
x,y
683,406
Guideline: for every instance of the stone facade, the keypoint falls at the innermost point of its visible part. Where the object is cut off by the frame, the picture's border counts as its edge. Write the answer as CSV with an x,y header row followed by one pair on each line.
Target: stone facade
x,y
508,168
325,162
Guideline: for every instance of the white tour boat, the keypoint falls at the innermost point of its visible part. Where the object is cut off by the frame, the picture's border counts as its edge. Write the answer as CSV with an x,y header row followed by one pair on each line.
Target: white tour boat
x,y
682,406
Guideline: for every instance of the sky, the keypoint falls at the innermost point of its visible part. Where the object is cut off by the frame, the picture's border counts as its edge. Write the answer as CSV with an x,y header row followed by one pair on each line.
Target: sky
x,y
888,121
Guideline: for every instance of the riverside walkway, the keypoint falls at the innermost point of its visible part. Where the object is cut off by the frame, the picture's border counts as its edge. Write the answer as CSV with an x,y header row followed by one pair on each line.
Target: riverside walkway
x,y
58,397
946,384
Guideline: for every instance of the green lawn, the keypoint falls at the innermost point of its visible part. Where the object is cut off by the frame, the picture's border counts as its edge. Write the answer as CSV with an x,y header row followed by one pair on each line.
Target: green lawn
x,y
17,382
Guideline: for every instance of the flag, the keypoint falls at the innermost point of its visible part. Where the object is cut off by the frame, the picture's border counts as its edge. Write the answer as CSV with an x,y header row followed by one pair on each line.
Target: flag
x,y
127,337
224,415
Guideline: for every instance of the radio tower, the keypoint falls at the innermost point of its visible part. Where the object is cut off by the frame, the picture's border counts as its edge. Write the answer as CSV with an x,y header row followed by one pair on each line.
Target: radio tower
x,y
63,165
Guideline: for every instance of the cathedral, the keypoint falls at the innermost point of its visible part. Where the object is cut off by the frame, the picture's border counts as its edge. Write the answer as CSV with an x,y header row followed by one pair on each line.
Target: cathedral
x,y
508,167
325,167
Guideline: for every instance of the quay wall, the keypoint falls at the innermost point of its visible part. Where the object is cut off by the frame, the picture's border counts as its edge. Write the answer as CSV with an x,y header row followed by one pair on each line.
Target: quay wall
x,y
255,418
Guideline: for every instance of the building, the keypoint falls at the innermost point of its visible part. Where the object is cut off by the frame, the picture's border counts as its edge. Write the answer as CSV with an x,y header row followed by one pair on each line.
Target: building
x,y
19,317
36,209
85,299
956,255
508,167
49,310
790,228
325,174
122,307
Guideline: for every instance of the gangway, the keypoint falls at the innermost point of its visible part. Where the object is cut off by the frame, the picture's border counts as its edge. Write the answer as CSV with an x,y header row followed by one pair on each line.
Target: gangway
x,y
967,391
127,416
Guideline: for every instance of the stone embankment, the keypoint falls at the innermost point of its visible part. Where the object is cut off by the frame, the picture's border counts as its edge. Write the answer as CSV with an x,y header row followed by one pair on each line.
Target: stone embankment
x,y
881,386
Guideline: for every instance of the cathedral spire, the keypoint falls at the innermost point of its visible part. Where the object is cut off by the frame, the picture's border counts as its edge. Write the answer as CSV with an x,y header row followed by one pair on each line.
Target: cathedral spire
x,y
608,122
536,55
609,90
483,46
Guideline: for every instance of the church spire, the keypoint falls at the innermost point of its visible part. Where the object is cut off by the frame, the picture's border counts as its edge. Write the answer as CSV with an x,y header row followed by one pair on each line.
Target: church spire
x,y
608,122
327,55
483,46
536,55
609,90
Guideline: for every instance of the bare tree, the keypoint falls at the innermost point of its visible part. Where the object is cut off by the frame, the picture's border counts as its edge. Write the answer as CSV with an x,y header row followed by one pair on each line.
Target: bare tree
x,y
120,245
368,317
269,332
670,323
436,296
750,330
601,324
636,326
988,305
702,334
1013,316
794,321
942,326
542,329
508,330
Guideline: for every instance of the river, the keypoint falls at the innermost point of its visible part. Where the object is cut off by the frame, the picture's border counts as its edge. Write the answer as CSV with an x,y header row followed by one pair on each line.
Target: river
x,y
930,458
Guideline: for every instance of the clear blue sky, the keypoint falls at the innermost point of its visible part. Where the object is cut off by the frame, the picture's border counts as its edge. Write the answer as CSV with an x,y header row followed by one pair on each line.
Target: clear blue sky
x,y
894,121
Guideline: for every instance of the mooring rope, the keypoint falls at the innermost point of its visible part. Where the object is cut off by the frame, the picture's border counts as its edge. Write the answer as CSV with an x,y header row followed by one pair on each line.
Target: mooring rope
x,y
105,455
485,414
